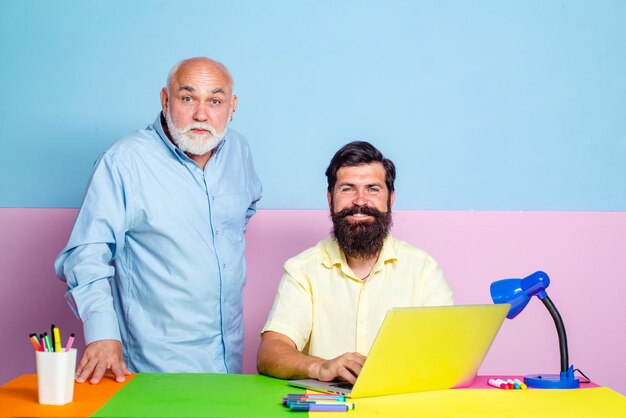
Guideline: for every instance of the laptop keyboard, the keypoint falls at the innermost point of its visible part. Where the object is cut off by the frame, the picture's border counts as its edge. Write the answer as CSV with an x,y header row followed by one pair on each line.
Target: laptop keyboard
x,y
342,385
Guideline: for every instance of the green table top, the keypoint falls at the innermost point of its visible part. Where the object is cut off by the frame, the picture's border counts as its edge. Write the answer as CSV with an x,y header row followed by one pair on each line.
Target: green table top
x,y
199,395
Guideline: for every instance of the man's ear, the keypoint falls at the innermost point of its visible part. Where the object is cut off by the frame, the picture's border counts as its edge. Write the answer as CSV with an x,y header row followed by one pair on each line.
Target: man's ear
x,y
233,108
391,199
330,201
233,105
164,100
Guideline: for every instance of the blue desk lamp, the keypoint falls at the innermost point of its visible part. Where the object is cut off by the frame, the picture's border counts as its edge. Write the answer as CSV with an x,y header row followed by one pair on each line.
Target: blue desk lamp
x,y
518,292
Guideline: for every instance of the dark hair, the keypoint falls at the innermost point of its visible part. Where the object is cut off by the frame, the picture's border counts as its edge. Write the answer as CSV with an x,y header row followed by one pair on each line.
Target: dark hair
x,y
359,153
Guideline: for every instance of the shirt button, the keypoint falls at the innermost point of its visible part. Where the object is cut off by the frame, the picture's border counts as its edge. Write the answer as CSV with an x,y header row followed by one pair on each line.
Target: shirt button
x,y
217,232
223,265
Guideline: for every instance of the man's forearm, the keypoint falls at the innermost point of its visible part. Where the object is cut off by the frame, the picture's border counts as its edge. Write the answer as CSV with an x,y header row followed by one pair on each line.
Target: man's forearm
x,y
281,359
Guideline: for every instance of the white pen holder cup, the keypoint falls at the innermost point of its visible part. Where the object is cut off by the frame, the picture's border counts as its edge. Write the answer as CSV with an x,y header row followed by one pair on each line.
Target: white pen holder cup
x,y
55,376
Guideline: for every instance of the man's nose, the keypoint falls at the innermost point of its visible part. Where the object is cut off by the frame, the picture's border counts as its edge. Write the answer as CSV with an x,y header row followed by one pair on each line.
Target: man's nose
x,y
200,114
360,198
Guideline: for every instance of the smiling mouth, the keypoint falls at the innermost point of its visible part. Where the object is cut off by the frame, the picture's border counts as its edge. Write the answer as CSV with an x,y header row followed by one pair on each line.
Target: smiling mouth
x,y
359,216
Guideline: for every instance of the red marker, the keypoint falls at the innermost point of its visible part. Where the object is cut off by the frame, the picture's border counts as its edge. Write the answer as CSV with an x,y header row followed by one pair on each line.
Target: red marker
x,y
512,382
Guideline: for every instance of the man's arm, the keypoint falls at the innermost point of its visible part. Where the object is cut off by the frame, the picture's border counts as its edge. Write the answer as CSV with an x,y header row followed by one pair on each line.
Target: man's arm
x,y
279,357
85,265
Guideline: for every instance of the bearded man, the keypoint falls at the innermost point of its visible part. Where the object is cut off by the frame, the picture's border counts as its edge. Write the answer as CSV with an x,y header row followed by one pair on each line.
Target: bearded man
x,y
155,263
333,297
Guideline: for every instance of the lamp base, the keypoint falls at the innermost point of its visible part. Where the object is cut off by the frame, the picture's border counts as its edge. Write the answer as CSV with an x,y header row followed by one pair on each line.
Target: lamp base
x,y
565,380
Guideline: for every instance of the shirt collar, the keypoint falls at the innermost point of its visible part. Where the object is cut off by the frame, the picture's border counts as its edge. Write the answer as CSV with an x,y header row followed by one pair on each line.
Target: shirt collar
x,y
335,256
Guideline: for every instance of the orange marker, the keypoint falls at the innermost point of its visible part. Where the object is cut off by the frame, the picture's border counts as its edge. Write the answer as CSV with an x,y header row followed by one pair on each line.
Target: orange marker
x,y
33,339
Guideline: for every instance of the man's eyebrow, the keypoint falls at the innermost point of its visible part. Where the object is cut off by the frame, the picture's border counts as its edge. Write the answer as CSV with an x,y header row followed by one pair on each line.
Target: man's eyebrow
x,y
191,89
351,184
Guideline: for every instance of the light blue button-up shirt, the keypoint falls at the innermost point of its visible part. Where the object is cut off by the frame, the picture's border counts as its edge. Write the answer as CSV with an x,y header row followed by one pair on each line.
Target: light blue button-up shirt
x,y
156,256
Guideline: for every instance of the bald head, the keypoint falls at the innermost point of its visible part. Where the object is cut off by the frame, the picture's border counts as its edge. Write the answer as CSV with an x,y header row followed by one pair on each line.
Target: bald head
x,y
198,103
198,65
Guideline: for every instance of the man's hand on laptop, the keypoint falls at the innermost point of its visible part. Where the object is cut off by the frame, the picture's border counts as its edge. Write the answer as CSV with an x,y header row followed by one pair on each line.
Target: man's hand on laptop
x,y
279,357
345,367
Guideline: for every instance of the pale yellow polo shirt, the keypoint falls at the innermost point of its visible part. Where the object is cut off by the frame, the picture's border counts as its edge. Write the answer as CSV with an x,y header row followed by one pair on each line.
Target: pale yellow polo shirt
x,y
327,311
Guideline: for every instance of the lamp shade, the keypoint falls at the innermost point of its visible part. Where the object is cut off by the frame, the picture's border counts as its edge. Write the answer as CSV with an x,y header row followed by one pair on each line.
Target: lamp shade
x,y
518,292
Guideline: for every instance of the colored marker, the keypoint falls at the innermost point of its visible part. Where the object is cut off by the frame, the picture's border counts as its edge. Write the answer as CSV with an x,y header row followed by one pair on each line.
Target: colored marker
x,y
42,342
70,341
46,338
511,382
508,385
290,402
350,405
57,339
33,340
497,383
316,407
521,384
52,345
314,396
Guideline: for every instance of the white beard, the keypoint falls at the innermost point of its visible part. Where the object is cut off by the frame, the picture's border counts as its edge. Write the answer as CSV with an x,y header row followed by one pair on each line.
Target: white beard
x,y
191,143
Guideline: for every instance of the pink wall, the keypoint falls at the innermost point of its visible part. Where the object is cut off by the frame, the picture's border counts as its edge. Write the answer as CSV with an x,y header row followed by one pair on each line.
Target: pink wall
x,y
581,251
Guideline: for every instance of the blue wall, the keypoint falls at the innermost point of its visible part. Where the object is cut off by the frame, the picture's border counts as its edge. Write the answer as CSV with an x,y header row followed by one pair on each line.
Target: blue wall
x,y
486,105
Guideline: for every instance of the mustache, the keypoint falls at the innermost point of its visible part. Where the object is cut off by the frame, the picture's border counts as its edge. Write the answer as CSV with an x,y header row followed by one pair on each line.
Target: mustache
x,y
199,125
359,210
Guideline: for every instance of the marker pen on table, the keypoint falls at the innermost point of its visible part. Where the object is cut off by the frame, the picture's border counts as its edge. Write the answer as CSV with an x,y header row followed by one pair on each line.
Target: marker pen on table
x,y
316,407
350,405
497,383
511,382
521,384
290,402
314,396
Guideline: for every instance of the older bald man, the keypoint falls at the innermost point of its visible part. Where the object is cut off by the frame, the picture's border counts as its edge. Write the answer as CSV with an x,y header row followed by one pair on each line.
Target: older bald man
x,y
155,263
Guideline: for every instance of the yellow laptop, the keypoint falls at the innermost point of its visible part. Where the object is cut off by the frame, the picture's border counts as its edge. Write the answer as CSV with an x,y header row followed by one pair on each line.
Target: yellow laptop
x,y
419,349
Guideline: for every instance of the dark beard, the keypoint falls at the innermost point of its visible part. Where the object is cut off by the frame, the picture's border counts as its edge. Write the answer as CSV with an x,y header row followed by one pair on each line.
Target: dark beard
x,y
361,239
